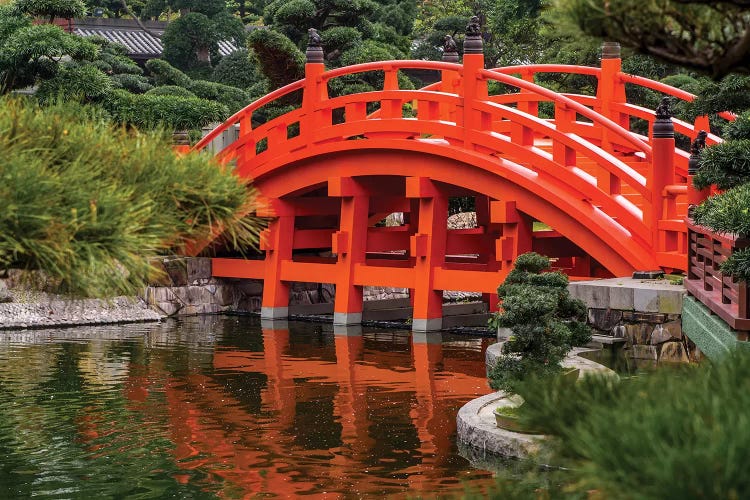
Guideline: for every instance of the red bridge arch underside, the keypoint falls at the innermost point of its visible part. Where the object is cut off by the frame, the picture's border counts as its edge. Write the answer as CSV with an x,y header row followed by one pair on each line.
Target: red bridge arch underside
x,y
575,219
616,200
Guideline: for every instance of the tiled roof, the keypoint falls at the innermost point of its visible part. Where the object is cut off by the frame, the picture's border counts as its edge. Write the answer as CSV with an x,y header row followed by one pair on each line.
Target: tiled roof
x,y
139,43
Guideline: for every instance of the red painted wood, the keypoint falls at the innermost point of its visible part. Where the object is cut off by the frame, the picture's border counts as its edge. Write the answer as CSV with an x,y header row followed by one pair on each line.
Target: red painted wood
x,y
616,200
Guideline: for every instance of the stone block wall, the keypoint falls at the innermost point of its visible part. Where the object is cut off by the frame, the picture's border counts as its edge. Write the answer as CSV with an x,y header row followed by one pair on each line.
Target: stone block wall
x,y
187,288
645,314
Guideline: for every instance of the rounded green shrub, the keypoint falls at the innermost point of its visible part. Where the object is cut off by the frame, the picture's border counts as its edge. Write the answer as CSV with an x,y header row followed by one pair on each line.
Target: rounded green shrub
x,y
166,74
546,322
156,111
237,69
85,83
171,90
727,165
133,83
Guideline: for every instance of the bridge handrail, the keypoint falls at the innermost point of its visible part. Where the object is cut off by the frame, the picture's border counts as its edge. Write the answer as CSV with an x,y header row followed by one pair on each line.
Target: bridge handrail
x,y
625,77
502,78
549,68
248,111
570,103
458,68
592,71
390,65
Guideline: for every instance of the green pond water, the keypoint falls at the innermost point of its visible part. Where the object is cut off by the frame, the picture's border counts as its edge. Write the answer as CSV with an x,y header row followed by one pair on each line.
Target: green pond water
x,y
232,408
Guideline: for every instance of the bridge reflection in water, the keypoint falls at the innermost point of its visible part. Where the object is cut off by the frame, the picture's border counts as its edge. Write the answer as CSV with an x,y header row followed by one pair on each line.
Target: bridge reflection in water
x,y
285,409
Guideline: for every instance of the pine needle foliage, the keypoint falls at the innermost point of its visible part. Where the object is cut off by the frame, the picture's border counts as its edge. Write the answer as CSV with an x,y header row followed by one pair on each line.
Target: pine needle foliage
x,y
729,212
675,434
727,165
91,204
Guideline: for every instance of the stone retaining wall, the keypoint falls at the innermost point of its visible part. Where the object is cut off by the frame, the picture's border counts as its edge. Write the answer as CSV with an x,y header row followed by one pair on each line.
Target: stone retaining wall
x,y
646,314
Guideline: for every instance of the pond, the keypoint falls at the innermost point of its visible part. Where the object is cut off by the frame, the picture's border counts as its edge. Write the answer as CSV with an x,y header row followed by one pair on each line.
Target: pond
x,y
229,407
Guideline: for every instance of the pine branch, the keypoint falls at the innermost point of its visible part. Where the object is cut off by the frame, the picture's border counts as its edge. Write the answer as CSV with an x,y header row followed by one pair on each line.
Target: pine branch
x,y
138,21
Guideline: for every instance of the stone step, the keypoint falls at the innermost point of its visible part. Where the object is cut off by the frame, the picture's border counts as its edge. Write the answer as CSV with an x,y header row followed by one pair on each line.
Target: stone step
x,y
597,341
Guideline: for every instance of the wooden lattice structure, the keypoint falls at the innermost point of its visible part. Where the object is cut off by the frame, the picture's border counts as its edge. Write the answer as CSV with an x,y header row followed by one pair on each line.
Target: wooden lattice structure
x,y
724,295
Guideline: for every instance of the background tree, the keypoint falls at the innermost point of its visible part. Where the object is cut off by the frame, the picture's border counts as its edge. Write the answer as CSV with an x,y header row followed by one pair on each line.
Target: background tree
x,y
30,51
191,40
116,8
712,37
96,72
52,8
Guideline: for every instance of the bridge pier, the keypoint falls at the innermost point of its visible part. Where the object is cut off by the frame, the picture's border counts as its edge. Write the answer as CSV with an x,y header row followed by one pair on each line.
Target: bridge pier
x,y
428,248
278,242
350,245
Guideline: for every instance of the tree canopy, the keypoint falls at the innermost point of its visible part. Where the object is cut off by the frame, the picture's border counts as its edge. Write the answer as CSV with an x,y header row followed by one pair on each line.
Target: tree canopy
x,y
712,37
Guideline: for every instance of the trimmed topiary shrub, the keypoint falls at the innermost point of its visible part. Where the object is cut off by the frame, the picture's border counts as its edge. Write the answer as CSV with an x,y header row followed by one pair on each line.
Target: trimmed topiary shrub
x,y
738,129
238,69
231,97
727,165
134,83
545,320
84,83
279,58
166,74
171,90
150,111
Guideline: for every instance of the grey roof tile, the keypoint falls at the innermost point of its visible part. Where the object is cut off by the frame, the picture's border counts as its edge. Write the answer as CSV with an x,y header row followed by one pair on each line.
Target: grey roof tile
x,y
140,43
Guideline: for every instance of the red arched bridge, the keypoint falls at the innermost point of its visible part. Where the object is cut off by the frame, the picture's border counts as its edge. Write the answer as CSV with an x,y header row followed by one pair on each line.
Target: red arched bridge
x,y
578,184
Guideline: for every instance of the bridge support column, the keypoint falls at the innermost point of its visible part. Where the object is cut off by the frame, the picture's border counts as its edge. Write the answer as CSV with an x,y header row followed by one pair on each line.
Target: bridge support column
x,y
277,241
428,248
517,229
350,244
661,175
484,220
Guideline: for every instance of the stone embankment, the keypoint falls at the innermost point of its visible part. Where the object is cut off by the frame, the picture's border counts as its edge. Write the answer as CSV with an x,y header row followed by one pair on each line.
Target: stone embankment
x,y
644,314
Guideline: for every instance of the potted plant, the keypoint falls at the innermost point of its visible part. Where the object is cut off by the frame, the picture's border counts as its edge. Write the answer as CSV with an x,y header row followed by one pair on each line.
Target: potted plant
x,y
546,322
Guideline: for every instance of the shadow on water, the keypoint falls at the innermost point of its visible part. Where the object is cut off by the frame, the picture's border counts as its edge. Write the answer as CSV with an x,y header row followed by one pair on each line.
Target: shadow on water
x,y
615,358
227,406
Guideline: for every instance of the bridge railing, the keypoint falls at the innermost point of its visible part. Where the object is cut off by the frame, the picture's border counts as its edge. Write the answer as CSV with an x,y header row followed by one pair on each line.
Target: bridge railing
x,y
726,296
459,111
473,124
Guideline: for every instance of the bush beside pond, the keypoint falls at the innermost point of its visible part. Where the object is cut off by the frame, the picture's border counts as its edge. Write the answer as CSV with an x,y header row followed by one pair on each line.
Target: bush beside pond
x,y
545,320
679,433
91,204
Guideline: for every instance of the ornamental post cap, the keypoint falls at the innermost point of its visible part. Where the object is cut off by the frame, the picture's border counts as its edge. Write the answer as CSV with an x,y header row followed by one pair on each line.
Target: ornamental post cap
x,y
314,52
663,110
663,126
610,50
473,40
450,50
699,143
694,162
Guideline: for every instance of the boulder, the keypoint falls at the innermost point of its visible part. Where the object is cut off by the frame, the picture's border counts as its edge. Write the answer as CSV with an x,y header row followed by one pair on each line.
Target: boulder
x,y
5,295
673,352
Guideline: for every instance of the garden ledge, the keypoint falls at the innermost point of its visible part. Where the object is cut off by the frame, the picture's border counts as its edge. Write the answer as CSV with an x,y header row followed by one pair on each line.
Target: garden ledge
x,y
475,422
